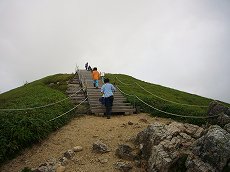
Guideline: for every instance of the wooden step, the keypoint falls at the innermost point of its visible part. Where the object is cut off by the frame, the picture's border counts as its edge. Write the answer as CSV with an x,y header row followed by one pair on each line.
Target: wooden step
x,y
120,104
78,98
115,97
126,111
114,106
75,92
99,93
97,103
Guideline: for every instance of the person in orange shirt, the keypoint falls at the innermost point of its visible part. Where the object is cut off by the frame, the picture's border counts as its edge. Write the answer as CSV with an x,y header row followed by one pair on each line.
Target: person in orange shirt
x,y
96,77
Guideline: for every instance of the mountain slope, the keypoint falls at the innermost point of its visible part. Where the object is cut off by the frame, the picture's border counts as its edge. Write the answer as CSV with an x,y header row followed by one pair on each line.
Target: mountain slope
x,y
21,128
162,98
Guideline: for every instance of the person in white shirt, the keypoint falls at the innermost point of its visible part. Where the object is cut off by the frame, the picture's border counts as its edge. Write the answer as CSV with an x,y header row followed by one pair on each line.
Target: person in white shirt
x,y
102,76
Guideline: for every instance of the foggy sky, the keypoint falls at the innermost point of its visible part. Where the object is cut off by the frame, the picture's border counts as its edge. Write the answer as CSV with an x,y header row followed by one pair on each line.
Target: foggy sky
x,y
182,44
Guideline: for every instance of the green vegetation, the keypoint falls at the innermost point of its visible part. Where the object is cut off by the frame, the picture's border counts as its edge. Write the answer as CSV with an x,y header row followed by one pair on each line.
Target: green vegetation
x,y
20,129
165,93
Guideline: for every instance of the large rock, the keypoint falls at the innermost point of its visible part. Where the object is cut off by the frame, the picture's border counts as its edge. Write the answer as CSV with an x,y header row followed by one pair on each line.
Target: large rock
x,y
151,136
213,148
124,152
219,113
195,164
185,147
223,119
215,108
166,147
227,127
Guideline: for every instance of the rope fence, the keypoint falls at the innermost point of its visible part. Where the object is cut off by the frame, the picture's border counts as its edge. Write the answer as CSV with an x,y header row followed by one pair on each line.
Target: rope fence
x,y
182,104
68,110
172,114
43,106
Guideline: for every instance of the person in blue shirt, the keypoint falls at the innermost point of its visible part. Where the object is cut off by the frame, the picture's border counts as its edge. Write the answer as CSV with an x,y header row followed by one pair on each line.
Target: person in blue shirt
x,y
107,90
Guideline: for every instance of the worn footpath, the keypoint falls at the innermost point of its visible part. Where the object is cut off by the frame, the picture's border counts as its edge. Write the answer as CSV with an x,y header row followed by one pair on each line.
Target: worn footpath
x,y
84,131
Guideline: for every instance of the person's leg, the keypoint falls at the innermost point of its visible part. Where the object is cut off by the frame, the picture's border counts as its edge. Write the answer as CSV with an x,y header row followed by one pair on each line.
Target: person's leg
x,y
96,83
108,111
109,106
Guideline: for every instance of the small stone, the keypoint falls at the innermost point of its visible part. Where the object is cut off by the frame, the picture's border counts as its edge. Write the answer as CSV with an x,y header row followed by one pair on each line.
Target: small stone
x,y
51,84
95,136
77,148
143,120
123,166
42,169
69,154
137,126
103,160
130,123
100,147
63,161
124,125
60,169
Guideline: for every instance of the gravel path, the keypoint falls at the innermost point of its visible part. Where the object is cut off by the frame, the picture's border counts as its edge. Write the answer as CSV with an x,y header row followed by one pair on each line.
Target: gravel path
x,y
84,131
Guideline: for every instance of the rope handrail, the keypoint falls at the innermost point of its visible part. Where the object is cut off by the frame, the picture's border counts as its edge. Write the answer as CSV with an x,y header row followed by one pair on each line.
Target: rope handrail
x,y
124,92
43,106
68,110
169,113
183,104
122,81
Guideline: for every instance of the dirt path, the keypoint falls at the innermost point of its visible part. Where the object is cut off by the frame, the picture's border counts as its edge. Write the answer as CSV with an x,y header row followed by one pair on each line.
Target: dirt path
x,y
84,131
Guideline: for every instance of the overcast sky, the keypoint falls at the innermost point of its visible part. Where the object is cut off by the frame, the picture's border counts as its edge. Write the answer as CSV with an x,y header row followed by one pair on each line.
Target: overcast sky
x,y
182,44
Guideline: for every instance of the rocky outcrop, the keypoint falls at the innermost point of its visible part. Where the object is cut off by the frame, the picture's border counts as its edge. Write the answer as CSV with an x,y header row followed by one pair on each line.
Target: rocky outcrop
x,y
124,152
227,127
215,108
213,149
184,147
218,113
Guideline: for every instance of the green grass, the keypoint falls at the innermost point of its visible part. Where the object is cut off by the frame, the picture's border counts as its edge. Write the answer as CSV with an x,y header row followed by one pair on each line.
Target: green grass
x,y
165,93
20,129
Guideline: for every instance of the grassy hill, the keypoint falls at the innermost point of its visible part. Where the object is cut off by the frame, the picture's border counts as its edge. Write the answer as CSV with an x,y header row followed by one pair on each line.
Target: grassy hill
x,y
162,98
21,128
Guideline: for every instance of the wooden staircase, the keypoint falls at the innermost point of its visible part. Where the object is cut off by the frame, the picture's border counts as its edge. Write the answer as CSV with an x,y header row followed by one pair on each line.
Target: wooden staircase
x,y
120,104
77,95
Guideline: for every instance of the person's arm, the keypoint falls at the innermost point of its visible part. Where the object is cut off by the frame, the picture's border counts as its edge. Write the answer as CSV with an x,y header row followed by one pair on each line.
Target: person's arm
x,y
113,88
99,75
102,89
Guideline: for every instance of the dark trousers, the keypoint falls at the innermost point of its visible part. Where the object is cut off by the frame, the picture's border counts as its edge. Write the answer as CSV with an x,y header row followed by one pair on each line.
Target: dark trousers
x,y
108,105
